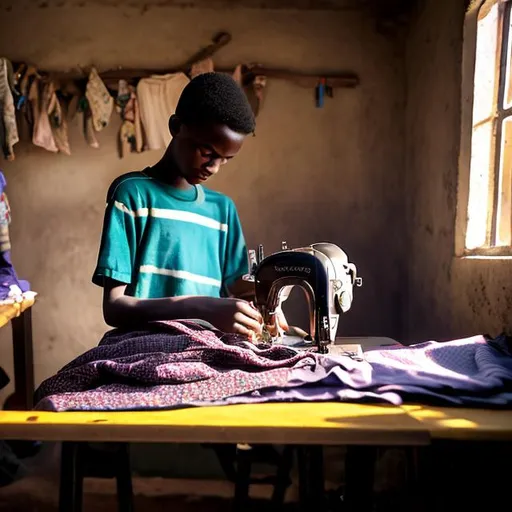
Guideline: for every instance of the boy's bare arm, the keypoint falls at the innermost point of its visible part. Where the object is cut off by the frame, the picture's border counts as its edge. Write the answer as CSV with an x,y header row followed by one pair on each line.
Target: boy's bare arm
x,y
120,310
228,315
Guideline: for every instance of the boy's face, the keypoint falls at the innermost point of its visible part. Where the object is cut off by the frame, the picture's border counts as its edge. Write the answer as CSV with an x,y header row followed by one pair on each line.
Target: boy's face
x,y
201,150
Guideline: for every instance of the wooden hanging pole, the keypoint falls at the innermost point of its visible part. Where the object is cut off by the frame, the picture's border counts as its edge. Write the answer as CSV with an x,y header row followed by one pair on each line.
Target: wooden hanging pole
x,y
308,80
339,80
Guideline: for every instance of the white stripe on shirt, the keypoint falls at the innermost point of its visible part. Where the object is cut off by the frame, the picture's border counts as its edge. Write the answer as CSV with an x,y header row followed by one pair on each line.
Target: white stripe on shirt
x,y
161,213
180,274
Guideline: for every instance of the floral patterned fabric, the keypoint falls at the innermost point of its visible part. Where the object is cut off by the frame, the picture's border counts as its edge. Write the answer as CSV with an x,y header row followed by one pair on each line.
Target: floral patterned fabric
x,y
167,364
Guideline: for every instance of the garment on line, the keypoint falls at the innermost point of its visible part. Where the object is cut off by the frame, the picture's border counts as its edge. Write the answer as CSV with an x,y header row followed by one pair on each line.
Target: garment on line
x,y
158,97
8,127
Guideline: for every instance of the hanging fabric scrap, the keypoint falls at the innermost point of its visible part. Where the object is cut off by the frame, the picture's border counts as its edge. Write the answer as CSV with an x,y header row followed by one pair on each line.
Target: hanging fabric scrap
x,y
8,127
127,106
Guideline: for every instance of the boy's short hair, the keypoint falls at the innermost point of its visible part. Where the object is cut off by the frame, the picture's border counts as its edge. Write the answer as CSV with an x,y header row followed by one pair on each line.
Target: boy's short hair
x,y
216,98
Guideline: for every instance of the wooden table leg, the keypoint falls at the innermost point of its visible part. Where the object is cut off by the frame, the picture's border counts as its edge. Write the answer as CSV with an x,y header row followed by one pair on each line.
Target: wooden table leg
x,y
124,479
360,469
23,360
311,478
71,478
283,477
243,478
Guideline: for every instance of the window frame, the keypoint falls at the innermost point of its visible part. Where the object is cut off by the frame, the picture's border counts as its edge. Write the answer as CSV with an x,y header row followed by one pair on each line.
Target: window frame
x,y
467,127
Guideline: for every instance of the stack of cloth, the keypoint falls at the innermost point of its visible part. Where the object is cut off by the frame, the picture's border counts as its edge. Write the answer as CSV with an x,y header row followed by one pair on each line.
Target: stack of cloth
x,y
15,293
174,364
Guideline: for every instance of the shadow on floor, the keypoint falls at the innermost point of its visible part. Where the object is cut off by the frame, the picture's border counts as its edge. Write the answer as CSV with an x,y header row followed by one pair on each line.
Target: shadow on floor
x,y
102,503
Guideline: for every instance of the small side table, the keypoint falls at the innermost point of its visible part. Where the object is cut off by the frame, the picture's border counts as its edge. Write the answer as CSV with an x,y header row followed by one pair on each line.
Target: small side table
x,y
20,316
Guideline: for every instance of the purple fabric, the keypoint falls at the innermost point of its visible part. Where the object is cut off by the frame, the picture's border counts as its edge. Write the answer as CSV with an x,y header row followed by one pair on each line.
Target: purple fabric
x,y
467,372
8,276
182,364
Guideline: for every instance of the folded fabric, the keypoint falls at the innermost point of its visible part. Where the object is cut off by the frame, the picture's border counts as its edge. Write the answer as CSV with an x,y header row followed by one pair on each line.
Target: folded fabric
x,y
173,364
11,288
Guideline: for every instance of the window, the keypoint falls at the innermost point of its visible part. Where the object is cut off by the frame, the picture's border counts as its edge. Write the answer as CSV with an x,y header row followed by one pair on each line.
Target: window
x,y
489,200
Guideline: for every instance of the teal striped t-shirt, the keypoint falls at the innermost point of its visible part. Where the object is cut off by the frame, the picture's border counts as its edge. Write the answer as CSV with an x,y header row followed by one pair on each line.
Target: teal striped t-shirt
x,y
165,242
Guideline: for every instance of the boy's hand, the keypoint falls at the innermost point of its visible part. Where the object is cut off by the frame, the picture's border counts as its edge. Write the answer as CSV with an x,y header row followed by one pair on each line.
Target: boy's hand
x,y
230,315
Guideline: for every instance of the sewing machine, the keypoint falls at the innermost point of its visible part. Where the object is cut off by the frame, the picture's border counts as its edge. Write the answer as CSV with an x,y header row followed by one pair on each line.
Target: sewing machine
x,y
322,270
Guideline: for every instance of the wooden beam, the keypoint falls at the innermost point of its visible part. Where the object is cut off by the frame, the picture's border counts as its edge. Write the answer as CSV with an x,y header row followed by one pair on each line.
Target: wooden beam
x,y
307,80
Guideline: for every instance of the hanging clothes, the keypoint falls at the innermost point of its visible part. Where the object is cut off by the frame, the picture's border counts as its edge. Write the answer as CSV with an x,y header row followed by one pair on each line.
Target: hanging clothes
x,y
237,75
8,127
39,97
58,121
23,78
259,85
253,85
88,126
73,94
100,101
203,66
158,97
130,133
255,90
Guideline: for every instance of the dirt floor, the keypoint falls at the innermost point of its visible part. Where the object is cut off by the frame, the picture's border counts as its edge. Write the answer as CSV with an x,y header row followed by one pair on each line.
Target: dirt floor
x,y
38,490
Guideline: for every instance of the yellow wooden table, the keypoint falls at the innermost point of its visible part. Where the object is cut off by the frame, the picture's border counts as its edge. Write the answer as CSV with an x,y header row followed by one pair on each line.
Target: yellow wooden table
x,y
20,316
362,427
299,425
303,427
289,423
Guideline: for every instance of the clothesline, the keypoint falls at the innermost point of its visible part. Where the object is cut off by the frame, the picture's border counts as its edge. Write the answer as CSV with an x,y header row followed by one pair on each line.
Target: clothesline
x,y
308,80
44,101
